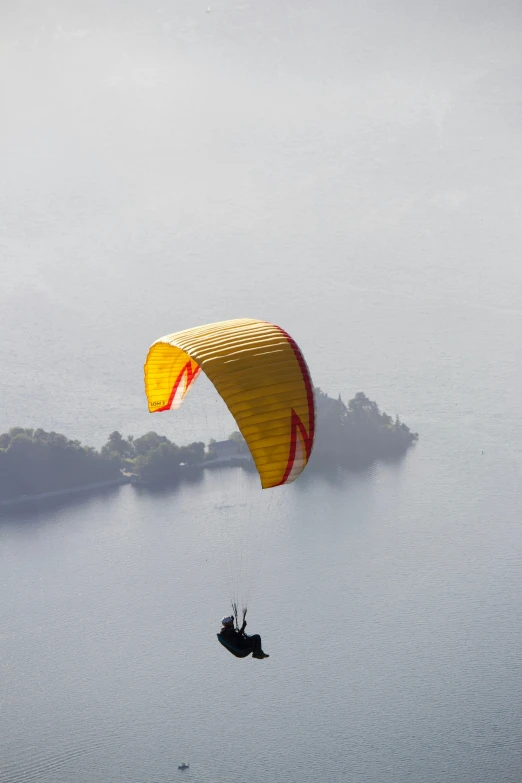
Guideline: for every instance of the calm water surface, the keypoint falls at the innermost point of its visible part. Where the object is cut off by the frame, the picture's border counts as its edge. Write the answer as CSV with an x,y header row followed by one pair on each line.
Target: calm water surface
x,y
389,603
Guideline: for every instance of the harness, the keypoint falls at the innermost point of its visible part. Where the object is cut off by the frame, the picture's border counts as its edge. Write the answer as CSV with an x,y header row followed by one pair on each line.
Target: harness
x,y
234,650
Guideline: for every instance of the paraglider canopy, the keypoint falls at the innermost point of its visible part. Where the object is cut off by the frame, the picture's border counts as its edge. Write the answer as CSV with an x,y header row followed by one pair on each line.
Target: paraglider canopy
x,y
260,373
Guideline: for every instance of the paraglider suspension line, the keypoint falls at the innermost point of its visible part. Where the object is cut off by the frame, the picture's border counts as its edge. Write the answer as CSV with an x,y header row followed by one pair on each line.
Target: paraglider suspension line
x,y
235,613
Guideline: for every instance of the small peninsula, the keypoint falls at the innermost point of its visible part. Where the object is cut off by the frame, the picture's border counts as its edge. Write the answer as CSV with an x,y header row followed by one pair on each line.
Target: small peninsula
x,y
36,463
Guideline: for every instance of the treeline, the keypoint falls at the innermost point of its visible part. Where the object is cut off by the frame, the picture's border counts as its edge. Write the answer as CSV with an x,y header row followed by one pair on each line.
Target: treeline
x,y
351,435
355,434
152,457
35,461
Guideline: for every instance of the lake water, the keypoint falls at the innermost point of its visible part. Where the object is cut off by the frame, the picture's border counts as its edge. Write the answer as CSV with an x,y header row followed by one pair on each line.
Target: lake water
x,y
389,603
352,174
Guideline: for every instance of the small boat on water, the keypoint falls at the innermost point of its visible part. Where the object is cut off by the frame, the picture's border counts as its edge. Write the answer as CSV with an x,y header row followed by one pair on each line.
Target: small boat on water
x,y
183,766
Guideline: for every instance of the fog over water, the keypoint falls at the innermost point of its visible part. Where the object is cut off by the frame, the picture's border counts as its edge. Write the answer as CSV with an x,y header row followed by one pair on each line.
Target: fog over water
x,y
352,172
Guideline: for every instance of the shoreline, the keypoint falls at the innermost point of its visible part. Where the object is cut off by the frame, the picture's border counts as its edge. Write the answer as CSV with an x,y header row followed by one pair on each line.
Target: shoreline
x,y
236,460
126,478
56,493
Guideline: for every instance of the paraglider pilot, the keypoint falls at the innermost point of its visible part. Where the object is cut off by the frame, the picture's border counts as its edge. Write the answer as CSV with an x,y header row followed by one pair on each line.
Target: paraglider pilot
x,y
236,640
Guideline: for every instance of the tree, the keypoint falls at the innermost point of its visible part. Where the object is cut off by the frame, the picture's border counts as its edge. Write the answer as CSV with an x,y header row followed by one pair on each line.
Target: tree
x,y
193,454
150,440
118,445
159,464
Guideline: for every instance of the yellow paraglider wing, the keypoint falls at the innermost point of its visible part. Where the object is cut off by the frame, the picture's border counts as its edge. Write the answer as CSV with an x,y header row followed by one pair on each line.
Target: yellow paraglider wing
x,y
260,373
